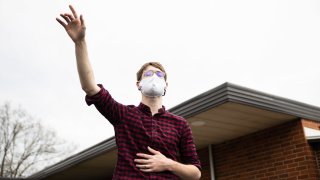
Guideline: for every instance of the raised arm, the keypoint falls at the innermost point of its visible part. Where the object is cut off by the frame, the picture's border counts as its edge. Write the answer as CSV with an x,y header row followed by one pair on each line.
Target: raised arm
x,y
76,29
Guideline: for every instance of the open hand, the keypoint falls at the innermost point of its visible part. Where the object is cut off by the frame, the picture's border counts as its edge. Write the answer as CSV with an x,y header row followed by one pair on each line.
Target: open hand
x,y
153,163
74,26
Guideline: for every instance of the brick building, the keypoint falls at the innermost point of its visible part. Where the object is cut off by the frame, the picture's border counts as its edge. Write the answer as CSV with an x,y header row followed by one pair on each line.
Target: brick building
x,y
240,133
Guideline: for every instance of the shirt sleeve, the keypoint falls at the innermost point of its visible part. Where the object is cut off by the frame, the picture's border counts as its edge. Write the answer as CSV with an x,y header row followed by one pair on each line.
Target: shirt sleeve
x,y
107,106
188,151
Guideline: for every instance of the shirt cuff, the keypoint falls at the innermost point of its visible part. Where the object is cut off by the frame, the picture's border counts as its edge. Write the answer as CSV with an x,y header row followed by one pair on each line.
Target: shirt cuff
x,y
95,98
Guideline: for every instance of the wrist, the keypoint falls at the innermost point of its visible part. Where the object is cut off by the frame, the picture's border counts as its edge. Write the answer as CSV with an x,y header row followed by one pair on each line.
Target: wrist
x,y
171,165
80,42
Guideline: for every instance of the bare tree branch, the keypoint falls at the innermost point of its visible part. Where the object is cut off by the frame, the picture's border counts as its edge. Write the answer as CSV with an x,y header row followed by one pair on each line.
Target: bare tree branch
x,y
25,144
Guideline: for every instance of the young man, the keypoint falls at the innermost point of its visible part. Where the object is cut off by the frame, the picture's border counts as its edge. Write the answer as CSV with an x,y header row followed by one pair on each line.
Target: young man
x,y
151,141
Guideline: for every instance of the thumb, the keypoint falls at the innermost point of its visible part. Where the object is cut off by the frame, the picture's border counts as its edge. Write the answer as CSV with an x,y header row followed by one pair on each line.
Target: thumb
x,y
153,151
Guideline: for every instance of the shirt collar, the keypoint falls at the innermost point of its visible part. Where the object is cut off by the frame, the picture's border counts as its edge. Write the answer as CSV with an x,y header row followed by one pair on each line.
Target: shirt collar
x,y
144,108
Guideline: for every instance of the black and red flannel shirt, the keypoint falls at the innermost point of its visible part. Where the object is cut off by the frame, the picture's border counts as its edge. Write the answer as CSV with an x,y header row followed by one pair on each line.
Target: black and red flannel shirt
x,y
136,129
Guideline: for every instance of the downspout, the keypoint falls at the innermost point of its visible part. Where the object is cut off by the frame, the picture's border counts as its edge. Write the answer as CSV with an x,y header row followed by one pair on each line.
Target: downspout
x,y
211,163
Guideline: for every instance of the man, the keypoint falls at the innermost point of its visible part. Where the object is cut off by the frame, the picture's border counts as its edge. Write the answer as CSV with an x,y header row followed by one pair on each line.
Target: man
x,y
151,141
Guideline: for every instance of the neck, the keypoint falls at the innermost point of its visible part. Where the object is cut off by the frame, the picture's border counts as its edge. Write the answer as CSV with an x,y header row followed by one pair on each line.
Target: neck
x,y
154,103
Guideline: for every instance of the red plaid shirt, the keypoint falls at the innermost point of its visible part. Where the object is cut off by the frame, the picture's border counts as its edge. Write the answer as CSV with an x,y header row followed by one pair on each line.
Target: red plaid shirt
x,y
136,128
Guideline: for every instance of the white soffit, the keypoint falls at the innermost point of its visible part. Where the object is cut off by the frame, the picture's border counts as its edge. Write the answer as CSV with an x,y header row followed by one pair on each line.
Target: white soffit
x,y
311,133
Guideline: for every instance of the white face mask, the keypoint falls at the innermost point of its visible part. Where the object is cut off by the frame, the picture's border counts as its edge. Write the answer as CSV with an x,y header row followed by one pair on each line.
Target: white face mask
x,y
152,86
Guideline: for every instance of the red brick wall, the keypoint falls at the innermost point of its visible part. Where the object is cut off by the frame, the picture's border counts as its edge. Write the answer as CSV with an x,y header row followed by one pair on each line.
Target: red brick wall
x,y
316,150
205,163
280,152
315,146
310,124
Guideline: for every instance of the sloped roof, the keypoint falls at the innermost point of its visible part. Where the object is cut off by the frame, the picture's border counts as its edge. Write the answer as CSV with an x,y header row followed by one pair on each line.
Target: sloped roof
x,y
229,92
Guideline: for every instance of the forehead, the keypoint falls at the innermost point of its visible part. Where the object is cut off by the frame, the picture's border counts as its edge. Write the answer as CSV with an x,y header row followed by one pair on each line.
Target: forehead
x,y
152,68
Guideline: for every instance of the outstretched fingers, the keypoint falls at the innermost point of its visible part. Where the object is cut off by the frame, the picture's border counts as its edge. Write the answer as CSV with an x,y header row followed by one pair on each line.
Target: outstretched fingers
x,y
73,12
61,22
69,16
66,18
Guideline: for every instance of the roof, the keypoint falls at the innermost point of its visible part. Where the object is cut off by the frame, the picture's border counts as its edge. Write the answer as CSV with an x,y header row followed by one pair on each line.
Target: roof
x,y
229,111
235,93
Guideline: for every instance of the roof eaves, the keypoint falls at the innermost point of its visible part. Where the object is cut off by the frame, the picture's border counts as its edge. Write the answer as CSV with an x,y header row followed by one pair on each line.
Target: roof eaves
x,y
271,102
96,150
202,102
229,92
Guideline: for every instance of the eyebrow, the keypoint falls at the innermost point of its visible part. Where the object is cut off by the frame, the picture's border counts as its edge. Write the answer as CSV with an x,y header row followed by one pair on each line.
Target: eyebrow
x,y
153,70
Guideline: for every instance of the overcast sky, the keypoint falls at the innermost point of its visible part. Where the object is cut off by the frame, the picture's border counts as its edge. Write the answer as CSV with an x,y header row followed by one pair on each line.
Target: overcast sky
x,y
271,46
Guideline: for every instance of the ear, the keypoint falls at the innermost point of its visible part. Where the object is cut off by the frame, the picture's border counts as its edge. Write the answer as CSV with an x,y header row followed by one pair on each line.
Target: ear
x,y
138,86
165,89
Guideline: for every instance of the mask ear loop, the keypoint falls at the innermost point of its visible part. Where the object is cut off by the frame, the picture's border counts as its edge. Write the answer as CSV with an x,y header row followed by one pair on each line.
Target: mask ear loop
x,y
164,93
